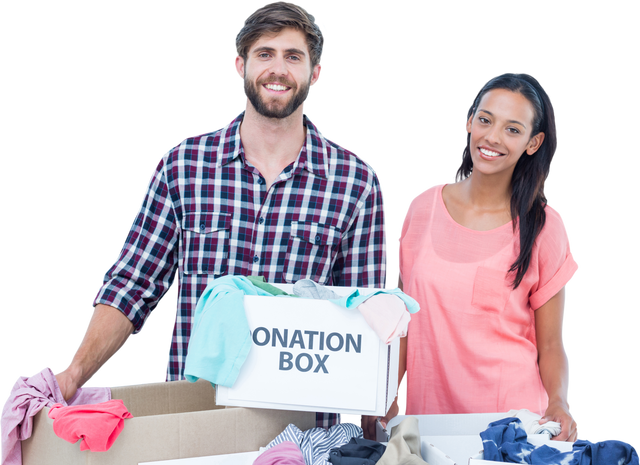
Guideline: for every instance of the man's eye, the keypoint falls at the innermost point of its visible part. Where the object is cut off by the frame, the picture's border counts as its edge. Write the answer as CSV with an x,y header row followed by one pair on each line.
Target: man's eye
x,y
294,58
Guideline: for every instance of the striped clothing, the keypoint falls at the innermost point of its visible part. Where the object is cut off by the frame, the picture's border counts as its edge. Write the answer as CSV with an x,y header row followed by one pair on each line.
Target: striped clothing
x,y
207,213
316,443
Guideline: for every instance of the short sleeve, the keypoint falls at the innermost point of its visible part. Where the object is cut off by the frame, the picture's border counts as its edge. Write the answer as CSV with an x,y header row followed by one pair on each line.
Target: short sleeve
x,y
555,263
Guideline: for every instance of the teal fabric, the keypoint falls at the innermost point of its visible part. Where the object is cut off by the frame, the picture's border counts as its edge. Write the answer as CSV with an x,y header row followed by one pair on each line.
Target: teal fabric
x,y
220,336
355,298
217,353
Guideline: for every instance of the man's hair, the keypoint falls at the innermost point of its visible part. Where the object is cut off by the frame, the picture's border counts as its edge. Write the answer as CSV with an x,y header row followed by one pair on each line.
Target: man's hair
x,y
273,18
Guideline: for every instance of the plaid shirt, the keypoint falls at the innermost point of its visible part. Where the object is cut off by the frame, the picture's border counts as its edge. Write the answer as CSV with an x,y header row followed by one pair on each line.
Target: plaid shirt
x,y
208,213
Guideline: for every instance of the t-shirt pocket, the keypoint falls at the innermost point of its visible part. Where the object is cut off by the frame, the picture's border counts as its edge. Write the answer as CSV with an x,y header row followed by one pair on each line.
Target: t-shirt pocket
x,y
491,290
312,249
205,243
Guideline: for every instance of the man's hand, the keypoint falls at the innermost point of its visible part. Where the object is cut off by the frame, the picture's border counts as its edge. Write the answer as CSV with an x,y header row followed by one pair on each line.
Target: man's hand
x,y
68,386
368,423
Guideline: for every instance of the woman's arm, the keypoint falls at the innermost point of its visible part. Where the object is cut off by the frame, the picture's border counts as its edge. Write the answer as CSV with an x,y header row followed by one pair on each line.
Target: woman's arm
x,y
553,364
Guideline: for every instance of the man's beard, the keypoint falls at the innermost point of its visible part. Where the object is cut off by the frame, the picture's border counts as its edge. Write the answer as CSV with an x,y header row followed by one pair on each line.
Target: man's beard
x,y
272,109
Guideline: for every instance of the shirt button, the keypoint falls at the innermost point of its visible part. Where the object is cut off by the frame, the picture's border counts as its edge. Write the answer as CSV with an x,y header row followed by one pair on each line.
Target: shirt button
x,y
260,180
256,259
317,239
261,220
202,226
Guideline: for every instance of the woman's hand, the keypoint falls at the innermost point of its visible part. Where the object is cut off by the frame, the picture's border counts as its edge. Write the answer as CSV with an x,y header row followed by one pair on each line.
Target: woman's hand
x,y
559,411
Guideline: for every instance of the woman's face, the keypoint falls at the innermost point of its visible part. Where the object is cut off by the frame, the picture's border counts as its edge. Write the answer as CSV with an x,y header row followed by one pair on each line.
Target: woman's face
x,y
501,132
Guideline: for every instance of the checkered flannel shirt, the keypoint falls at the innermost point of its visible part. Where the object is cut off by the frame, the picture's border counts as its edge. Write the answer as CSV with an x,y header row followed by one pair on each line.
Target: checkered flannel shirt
x,y
208,213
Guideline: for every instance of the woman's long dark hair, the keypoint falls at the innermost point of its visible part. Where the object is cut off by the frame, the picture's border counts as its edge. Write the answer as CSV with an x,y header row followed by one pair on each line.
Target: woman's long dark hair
x,y
527,182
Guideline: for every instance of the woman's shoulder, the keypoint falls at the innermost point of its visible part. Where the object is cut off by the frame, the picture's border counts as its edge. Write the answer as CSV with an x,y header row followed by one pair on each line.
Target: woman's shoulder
x,y
553,221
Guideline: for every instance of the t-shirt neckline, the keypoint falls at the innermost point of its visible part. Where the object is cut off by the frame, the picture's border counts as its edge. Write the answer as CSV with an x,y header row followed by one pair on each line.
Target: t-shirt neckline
x,y
464,228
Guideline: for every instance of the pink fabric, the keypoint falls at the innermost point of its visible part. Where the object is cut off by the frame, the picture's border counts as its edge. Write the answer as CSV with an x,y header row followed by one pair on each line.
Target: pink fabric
x,y
27,398
98,425
285,453
387,315
472,348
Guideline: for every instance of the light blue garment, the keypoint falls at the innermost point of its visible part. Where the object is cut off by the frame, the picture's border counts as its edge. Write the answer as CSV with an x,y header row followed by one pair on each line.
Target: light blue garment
x,y
355,298
220,337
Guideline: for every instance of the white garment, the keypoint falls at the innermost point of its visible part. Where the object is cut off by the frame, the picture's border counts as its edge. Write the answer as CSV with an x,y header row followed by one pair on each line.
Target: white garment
x,y
531,424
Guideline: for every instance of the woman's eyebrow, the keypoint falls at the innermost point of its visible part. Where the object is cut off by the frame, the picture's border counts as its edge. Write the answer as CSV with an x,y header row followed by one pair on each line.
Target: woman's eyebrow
x,y
509,121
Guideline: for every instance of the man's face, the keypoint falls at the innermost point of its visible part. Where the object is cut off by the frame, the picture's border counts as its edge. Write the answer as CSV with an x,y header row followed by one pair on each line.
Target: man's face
x,y
277,73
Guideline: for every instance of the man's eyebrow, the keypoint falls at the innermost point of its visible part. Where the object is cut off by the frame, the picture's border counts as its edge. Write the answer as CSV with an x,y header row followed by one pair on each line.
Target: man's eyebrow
x,y
297,51
510,121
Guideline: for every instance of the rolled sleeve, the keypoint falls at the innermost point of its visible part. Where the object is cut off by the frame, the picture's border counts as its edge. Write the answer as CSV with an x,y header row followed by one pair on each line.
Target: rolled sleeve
x,y
362,259
555,263
147,263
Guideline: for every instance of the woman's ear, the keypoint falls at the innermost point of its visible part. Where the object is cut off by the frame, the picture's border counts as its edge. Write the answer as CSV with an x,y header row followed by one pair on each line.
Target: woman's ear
x,y
535,143
469,123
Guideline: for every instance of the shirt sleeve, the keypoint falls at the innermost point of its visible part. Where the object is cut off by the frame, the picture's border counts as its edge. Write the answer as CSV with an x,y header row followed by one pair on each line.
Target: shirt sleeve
x,y
147,263
361,261
556,265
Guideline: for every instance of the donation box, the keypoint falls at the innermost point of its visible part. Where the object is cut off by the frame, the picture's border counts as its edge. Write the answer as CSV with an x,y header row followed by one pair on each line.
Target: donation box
x,y
313,355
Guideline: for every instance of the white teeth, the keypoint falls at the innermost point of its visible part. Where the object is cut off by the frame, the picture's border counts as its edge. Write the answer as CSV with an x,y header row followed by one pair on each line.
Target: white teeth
x,y
275,87
490,153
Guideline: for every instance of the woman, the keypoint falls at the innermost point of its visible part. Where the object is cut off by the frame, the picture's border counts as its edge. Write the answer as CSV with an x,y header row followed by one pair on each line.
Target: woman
x,y
488,260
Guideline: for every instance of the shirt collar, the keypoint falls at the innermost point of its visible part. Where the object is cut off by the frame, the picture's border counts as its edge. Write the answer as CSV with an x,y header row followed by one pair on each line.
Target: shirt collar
x,y
313,156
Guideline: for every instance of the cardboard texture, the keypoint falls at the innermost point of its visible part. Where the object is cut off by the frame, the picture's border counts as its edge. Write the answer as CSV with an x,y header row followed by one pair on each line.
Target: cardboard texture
x,y
336,362
171,420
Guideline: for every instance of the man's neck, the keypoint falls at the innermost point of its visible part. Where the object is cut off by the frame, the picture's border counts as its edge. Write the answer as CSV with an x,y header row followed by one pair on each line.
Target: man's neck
x,y
271,144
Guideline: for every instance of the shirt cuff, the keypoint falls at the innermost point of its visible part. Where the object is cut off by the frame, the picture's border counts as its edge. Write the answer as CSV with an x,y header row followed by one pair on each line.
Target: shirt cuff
x,y
562,277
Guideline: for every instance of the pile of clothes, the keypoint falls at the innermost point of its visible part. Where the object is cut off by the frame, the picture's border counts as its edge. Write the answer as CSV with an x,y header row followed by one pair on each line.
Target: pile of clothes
x,y
90,416
343,444
506,441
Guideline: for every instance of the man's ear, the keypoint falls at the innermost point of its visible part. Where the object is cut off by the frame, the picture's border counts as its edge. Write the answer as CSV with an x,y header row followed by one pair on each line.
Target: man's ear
x,y
315,74
240,66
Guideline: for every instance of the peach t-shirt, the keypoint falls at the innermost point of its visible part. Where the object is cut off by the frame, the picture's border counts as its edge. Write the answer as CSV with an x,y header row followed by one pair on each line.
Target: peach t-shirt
x,y
472,347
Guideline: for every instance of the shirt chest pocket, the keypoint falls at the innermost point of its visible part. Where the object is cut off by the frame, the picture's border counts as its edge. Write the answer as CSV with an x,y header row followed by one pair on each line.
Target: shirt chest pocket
x,y
205,243
491,290
311,252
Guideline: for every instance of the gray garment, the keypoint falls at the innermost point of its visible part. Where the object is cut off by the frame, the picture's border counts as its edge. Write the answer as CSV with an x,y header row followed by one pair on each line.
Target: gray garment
x,y
311,290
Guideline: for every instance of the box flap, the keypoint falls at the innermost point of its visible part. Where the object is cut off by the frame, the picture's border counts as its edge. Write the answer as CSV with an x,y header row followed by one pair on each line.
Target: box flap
x,y
165,398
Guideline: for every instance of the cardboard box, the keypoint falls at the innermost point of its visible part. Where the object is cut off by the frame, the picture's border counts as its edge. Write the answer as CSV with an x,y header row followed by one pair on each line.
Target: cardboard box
x,y
455,439
171,420
313,355
242,458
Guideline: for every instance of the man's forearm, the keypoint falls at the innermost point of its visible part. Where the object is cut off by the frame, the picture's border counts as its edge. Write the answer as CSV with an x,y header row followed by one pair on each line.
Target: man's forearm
x,y
108,330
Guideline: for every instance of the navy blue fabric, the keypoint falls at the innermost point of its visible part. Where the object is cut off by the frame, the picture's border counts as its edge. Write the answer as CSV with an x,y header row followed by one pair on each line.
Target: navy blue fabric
x,y
506,441
358,451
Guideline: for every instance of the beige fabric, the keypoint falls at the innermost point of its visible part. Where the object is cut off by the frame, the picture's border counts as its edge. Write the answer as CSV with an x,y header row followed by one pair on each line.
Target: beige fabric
x,y
404,445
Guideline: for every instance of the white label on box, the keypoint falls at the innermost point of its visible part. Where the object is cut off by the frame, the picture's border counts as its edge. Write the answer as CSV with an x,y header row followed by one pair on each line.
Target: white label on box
x,y
304,343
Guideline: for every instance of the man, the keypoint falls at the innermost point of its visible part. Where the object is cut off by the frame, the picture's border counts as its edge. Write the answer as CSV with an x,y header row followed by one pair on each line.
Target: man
x,y
267,195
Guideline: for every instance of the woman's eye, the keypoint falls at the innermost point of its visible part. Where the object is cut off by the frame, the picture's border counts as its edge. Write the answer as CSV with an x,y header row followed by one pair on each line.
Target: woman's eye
x,y
483,120
514,130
